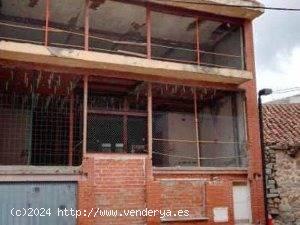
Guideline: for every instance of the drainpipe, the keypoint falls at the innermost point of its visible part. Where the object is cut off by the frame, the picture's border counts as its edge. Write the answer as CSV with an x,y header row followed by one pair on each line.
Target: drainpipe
x,y
263,92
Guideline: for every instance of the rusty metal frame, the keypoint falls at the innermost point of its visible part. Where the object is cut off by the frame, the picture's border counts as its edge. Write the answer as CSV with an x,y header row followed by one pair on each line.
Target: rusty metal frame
x,y
47,15
196,125
85,109
149,119
197,31
71,127
148,22
86,25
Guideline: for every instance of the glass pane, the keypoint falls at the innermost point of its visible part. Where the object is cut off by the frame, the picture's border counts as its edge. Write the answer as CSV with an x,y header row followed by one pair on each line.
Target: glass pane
x,y
173,37
117,27
22,21
66,27
221,44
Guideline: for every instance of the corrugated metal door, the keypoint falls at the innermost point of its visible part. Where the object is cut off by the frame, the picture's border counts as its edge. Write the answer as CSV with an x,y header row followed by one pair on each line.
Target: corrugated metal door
x,y
50,196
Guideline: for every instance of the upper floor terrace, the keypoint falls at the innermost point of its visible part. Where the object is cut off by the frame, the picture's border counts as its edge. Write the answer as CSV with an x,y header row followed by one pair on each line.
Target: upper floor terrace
x,y
173,39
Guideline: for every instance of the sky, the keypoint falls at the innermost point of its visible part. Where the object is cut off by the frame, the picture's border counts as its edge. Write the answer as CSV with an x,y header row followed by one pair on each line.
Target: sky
x,y
277,49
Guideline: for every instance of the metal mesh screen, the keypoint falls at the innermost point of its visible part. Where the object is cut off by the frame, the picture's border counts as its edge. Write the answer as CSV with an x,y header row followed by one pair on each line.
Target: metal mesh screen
x,y
36,130
116,134
117,116
198,127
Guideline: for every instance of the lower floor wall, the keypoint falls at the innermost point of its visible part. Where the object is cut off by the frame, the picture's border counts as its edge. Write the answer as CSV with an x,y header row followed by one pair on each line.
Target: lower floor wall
x,y
130,186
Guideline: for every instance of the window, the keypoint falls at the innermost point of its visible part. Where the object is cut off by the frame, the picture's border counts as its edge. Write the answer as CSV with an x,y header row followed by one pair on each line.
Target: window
x,y
198,127
222,139
117,117
221,44
41,118
173,38
23,21
117,27
66,23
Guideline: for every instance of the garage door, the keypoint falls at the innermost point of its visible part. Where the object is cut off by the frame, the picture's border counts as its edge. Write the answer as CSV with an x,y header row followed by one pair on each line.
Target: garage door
x,y
34,198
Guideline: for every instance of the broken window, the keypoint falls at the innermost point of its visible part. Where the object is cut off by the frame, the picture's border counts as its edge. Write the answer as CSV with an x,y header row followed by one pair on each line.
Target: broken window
x,y
173,37
23,21
66,27
41,114
198,127
117,116
221,44
117,27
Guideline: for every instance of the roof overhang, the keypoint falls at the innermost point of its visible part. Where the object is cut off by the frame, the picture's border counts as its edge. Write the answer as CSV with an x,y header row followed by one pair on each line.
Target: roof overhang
x,y
228,8
79,59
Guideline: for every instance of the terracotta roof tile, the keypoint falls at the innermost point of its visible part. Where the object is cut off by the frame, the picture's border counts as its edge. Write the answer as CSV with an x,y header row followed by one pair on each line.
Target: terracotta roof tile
x,y
281,123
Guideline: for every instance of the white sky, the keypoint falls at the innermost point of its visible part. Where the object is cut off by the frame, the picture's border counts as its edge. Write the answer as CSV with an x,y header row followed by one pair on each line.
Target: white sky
x,y
277,48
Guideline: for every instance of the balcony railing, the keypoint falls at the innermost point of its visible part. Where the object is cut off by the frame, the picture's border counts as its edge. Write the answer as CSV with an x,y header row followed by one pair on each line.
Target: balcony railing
x,y
139,30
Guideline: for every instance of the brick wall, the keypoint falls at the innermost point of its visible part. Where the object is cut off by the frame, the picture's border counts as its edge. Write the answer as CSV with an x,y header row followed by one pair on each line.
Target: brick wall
x,y
218,189
114,183
254,149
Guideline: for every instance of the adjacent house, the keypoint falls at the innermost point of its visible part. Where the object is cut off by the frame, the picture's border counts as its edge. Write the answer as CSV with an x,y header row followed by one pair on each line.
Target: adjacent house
x,y
130,105
282,139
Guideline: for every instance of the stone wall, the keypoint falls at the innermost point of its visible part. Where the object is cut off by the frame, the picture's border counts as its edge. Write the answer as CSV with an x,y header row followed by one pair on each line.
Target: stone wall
x,y
283,184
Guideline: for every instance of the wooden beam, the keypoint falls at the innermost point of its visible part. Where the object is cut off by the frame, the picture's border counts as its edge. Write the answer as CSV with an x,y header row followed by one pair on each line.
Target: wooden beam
x,y
110,88
115,81
117,113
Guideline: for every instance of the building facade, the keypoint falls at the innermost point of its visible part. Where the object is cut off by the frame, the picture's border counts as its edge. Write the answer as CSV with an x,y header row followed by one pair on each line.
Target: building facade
x,y
145,109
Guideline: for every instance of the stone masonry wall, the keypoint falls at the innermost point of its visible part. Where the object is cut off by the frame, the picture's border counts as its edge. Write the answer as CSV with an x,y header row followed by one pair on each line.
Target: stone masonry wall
x,y
283,184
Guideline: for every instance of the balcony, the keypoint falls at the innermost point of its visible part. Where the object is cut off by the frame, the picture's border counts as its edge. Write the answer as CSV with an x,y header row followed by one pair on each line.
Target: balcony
x,y
152,41
53,119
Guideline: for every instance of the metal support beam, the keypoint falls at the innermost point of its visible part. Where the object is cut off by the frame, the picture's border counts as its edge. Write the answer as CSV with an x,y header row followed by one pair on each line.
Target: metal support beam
x,y
148,22
47,15
71,128
85,108
149,120
125,126
197,30
86,25
196,125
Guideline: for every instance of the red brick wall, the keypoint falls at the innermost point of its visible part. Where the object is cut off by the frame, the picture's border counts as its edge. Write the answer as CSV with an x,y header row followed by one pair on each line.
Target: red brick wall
x,y
218,194
114,183
129,184
254,149
183,195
